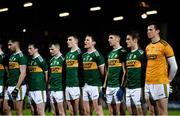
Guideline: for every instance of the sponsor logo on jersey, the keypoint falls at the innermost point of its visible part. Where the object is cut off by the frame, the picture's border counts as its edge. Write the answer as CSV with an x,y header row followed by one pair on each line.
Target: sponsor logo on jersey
x,y
114,63
35,69
56,69
13,65
133,64
72,63
89,65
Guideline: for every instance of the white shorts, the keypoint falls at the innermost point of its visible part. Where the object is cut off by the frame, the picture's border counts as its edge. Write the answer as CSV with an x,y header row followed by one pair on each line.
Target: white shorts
x,y
56,96
21,93
111,95
1,91
1,88
90,92
72,93
133,96
37,96
156,91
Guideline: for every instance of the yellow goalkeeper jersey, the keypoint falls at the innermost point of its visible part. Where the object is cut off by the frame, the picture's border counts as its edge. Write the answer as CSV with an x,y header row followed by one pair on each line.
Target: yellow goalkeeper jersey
x,y
157,65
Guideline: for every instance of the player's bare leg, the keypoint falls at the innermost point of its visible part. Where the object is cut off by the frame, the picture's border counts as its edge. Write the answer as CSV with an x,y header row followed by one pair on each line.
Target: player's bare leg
x,y
6,108
162,106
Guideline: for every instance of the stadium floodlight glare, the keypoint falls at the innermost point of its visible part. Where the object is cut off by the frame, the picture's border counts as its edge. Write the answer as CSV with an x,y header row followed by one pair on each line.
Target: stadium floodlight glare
x,y
151,12
3,9
95,8
28,4
64,14
144,16
24,30
118,18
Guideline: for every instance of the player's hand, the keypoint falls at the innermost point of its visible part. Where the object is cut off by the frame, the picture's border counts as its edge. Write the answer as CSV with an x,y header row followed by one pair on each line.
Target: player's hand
x,y
15,93
102,93
170,89
120,93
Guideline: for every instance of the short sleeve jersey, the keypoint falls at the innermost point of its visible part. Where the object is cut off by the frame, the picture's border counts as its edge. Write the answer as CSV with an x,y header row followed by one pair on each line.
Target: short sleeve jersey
x,y
134,63
115,72
157,66
2,70
72,79
15,61
56,64
36,67
91,63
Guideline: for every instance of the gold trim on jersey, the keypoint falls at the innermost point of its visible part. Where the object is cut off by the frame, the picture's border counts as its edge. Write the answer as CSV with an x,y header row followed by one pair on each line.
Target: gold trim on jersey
x,y
114,63
56,69
89,65
72,63
13,65
35,69
1,67
133,64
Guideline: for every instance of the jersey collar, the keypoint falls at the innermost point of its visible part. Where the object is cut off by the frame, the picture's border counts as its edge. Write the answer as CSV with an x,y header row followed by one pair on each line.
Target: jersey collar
x,y
117,48
74,50
36,56
92,51
17,52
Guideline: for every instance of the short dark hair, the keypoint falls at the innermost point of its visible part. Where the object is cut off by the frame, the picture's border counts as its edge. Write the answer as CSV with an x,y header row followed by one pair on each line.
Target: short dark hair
x,y
134,34
93,37
56,43
34,44
156,25
115,32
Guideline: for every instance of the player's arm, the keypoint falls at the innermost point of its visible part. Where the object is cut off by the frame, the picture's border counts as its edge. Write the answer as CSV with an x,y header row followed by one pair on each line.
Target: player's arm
x,y
22,75
124,74
21,79
46,75
173,67
105,79
123,62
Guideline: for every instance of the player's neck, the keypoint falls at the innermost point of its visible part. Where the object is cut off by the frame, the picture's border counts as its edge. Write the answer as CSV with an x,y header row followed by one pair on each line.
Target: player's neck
x,y
58,54
74,48
17,50
134,48
155,39
116,46
90,49
35,55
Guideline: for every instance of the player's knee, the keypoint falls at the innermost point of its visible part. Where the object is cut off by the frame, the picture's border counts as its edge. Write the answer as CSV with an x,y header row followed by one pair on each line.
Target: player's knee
x,y
6,109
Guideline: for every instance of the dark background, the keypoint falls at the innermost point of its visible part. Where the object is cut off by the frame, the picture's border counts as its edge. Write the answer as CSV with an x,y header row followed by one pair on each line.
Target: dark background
x,y
43,24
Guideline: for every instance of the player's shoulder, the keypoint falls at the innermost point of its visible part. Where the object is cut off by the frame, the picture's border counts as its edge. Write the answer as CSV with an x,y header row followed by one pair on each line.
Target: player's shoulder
x,y
21,54
62,57
140,51
163,42
97,53
79,51
40,58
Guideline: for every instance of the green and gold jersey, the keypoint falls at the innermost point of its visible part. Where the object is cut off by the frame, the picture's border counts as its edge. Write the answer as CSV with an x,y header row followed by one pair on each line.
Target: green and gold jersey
x,y
91,63
15,61
134,64
2,70
37,67
72,79
56,65
115,59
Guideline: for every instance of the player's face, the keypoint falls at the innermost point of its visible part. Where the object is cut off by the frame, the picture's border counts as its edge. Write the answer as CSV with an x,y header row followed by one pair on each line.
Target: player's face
x,y
152,32
31,50
129,41
88,43
11,46
112,40
71,41
53,50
